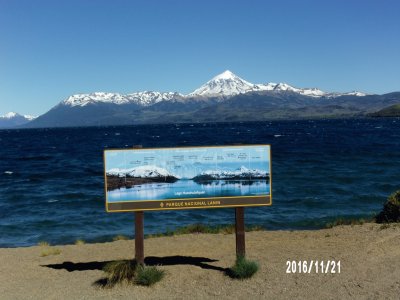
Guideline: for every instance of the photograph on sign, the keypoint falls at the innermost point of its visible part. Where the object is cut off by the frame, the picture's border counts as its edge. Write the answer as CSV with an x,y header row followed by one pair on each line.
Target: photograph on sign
x,y
174,174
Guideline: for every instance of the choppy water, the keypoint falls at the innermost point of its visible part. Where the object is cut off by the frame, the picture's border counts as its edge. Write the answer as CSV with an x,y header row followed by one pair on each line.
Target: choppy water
x,y
52,186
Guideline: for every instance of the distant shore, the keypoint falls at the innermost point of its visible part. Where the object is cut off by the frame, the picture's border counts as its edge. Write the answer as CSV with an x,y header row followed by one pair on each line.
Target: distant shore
x,y
369,255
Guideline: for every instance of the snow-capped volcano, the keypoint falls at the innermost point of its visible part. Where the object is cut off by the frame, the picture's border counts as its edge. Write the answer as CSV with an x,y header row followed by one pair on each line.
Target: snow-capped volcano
x,y
228,84
224,84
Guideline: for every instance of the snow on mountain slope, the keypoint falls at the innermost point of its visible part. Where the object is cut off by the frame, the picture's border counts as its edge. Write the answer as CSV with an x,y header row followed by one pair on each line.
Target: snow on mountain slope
x,y
145,98
149,171
224,84
228,84
311,92
9,115
12,115
29,117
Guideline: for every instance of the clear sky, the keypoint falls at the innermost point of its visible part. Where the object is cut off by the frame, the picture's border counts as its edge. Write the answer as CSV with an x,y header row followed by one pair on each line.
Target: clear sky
x,y
52,49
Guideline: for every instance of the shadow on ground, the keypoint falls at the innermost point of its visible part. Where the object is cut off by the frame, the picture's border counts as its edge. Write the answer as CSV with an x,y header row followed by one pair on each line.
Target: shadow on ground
x,y
201,262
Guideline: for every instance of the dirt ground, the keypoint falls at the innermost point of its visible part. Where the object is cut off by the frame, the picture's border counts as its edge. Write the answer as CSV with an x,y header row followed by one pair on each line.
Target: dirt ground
x,y
195,267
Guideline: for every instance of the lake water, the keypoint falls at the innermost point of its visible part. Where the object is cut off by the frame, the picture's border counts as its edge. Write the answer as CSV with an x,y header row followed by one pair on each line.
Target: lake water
x,y
52,184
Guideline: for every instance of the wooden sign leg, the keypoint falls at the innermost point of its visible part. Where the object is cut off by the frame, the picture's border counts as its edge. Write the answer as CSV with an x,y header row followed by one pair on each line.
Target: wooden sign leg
x,y
239,229
139,237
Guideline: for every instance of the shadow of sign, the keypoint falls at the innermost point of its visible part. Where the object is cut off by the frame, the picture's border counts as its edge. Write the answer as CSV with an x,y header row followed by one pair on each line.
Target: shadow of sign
x,y
201,262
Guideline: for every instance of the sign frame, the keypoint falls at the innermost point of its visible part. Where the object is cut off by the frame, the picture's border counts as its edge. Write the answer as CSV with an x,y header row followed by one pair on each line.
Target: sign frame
x,y
188,203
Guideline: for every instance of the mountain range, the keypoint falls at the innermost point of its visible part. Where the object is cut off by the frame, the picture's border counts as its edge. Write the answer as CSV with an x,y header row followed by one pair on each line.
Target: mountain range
x,y
13,119
226,97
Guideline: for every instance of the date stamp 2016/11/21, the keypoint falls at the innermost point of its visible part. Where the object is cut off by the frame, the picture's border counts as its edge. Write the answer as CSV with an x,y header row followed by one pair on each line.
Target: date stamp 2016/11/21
x,y
313,266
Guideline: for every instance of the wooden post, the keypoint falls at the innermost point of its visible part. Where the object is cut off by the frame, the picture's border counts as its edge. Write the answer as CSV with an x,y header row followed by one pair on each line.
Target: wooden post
x,y
239,229
139,237
139,231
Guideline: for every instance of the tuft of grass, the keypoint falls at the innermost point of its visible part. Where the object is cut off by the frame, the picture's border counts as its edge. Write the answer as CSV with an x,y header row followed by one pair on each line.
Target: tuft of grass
x,y
130,272
391,209
243,268
120,237
384,226
43,244
228,229
202,228
50,251
80,242
148,275
120,271
327,235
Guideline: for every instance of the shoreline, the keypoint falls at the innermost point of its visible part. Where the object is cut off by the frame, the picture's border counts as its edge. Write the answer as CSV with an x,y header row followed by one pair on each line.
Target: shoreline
x,y
369,256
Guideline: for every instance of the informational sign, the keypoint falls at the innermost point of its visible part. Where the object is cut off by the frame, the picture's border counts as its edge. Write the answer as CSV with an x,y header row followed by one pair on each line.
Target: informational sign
x,y
187,178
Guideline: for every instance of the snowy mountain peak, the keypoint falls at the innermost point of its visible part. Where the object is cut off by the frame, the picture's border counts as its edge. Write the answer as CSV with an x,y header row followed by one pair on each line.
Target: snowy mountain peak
x,y
13,119
224,84
10,115
225,75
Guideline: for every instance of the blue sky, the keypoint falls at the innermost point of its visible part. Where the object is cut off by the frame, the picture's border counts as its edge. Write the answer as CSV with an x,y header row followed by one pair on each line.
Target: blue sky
x,y
52,49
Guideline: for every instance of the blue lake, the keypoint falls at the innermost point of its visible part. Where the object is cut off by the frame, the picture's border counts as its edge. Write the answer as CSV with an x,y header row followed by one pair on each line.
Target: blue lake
x,y
52,181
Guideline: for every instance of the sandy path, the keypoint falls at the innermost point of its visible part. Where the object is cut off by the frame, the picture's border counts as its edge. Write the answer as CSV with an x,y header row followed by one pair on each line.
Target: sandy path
x,y
369,255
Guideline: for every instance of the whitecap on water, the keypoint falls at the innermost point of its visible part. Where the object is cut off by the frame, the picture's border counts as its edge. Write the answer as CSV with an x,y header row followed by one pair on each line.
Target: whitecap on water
x,y
52,200
8,172
277,135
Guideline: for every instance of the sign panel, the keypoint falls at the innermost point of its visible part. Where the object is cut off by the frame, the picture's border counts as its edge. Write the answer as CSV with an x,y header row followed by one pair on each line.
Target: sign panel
x,y
190,177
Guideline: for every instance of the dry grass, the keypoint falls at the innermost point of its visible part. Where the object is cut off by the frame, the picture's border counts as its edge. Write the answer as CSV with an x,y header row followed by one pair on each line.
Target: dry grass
x,y
80,242
120,271
43,244
50,251
120,237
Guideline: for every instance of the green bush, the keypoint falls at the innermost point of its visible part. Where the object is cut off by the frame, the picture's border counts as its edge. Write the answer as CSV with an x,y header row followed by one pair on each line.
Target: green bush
x,y
120,271
391,209
148,275
129,271
243,268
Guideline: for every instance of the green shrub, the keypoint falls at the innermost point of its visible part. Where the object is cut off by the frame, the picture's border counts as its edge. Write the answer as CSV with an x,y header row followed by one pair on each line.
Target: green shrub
x,y
148,275
243,268
120,271
391,209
